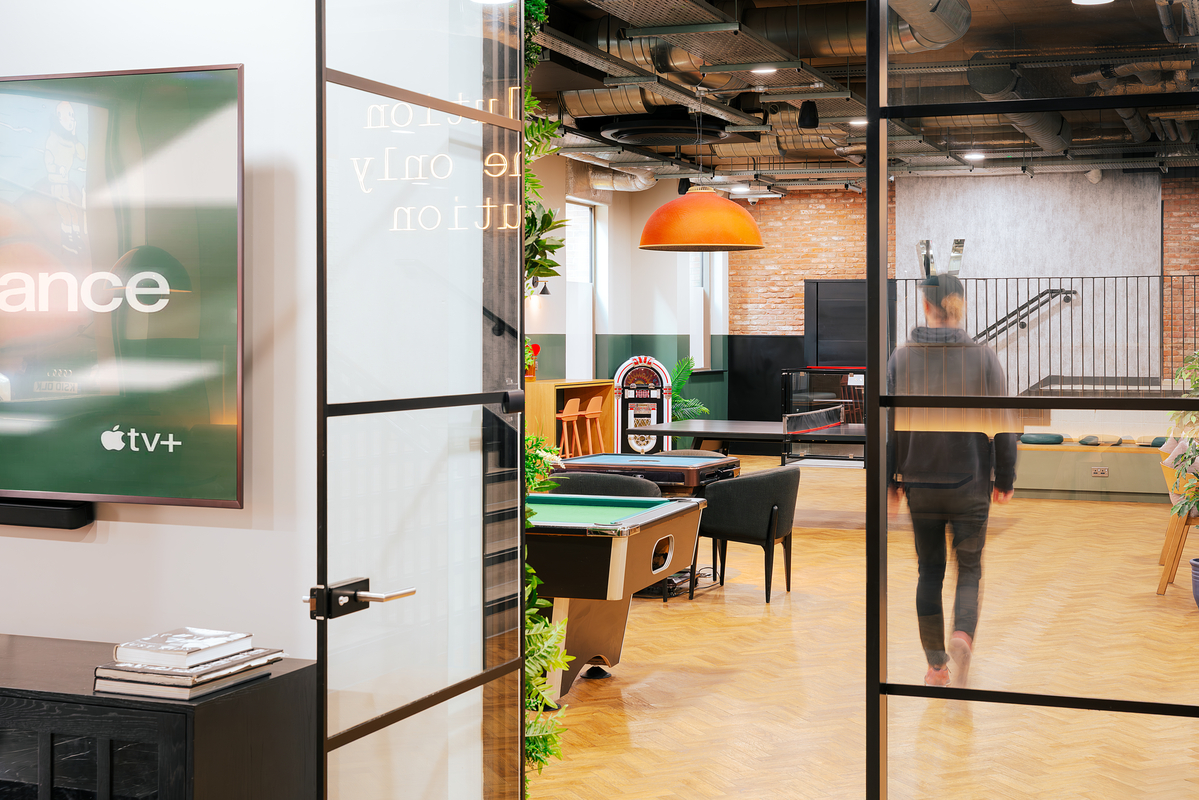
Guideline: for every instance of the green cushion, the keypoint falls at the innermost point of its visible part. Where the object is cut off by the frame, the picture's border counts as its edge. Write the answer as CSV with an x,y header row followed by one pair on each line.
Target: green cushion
x,y
1151,441
1041,438
1095,441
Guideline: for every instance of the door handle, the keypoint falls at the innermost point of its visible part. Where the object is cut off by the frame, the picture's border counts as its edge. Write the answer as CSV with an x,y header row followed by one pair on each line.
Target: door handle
x,y
347,597
384,597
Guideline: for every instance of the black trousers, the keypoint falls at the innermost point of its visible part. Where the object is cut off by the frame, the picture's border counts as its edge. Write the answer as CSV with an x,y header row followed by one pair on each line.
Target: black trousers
x,y
966,515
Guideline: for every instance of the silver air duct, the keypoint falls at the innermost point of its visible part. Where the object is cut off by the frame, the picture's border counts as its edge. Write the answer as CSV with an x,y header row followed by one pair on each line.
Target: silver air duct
x,y
607,102
614,177
839,29
1048,129
767,146
659,55
1136,124
1167,19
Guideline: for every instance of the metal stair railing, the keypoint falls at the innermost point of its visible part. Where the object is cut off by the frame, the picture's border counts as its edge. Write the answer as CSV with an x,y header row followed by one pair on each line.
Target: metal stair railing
x,y
1020,314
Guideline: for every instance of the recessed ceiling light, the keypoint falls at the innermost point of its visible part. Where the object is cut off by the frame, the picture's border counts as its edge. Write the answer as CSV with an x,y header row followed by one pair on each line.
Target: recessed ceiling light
x,y
858,122
764,70
1090,2
973,155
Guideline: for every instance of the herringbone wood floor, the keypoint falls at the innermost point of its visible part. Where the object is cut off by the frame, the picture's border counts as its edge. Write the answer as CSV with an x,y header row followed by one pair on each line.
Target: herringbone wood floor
x,y
725,696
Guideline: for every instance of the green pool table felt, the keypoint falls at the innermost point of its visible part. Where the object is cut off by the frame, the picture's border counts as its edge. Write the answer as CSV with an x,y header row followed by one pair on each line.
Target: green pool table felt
x,y
590,510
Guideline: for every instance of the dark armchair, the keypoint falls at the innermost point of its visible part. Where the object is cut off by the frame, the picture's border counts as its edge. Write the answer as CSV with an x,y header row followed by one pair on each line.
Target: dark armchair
x,y
758,508
603,484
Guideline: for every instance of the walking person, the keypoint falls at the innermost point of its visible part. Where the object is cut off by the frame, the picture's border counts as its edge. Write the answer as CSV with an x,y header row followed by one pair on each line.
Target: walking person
x,y
951,463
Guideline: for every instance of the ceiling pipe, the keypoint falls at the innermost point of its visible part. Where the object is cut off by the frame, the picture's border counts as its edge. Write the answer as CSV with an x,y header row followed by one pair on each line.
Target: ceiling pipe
x,y
1167,19
839,29
1136,124
657,54
1049,129
614,177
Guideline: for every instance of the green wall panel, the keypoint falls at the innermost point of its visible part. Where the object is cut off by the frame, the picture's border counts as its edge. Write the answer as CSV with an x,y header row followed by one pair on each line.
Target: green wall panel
x,y
551,361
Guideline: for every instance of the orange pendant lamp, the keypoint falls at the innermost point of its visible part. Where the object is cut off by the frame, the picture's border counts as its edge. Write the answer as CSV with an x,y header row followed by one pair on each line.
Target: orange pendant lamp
x,y
701,221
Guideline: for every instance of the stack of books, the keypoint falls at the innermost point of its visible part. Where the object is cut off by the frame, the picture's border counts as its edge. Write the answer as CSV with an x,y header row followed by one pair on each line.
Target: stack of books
x,y
184,664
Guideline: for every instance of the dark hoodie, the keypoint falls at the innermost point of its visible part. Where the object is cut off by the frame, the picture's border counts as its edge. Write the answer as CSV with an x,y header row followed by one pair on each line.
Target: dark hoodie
x,y
950,452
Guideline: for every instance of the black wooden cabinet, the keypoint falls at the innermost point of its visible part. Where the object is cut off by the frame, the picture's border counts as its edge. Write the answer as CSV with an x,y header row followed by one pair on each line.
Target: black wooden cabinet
x,y
61,741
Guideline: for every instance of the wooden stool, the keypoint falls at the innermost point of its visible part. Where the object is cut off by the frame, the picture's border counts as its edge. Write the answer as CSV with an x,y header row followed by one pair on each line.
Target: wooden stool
x,y
569,415
595,407
1176,533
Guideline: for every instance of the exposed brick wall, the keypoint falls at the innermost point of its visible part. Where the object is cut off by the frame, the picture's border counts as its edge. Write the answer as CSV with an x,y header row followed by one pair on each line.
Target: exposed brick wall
x,y
816,234
1180,268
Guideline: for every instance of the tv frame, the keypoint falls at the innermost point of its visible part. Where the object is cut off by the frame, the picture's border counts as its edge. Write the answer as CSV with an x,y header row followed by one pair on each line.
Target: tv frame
x,y
239,502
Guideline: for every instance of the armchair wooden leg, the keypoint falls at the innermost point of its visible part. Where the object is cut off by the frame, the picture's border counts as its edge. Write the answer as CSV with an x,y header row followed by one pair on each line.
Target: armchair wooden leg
x,y
769,548
724,558
1173,552
787,559
1182,541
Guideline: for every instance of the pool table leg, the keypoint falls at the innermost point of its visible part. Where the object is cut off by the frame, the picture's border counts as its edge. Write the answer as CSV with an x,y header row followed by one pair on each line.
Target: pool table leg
x,y
594,629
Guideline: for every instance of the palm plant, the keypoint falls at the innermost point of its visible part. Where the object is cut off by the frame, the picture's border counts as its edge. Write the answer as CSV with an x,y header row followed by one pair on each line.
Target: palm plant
x,y
682,408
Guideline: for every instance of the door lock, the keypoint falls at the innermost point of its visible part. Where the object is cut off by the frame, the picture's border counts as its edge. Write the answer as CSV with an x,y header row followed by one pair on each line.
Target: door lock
x,y
347,597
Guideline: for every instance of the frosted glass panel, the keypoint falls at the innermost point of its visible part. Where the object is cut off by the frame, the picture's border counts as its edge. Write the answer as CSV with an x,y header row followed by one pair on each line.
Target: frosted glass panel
x,y
406,510
463,51
956,749
435,755
424,224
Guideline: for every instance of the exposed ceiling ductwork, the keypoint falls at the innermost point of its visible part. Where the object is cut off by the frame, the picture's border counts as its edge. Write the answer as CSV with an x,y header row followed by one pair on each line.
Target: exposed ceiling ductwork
x,y
839,29
711,89
1049,129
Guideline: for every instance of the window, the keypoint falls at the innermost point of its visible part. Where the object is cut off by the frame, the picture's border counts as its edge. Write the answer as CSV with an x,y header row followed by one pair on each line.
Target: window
x,y
579,253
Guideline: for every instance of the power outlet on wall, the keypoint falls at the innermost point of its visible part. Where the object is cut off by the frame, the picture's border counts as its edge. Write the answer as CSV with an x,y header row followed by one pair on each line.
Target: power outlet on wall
x,y
1098,472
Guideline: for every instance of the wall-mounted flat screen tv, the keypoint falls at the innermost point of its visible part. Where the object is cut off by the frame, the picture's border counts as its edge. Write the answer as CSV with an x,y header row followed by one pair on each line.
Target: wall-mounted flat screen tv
x,y
120,287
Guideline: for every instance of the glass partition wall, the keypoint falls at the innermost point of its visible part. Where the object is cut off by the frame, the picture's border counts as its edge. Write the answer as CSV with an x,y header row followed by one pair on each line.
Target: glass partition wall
x,y
419,376
1028,625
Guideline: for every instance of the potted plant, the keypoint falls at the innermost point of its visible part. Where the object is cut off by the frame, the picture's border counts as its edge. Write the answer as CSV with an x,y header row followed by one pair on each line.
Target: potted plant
x,y
544,640
1183,447
531,353
683,407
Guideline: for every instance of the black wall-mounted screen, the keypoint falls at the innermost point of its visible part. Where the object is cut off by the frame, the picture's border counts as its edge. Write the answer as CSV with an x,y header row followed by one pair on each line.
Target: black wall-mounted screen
x,y
120,287
835,322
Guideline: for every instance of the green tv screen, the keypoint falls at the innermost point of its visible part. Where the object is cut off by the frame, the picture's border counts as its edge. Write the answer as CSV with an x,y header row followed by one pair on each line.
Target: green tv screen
x,y
120,287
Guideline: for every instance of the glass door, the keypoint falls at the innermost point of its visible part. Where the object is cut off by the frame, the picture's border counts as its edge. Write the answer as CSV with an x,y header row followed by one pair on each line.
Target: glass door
x,y
418,600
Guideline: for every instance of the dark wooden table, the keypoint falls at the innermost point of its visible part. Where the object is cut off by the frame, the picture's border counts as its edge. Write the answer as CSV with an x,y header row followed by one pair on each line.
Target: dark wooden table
x,y
258,740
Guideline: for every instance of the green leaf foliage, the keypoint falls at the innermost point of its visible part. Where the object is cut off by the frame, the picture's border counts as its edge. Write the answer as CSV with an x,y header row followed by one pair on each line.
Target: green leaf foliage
x,y
1186,427
536,13
682,408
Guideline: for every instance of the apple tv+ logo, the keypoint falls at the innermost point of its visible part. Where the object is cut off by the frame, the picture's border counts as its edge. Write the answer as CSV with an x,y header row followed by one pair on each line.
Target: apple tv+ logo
x,y
115,440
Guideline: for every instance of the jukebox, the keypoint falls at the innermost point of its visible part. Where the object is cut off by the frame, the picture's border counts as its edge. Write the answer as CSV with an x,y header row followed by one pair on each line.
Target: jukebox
x,y
642,398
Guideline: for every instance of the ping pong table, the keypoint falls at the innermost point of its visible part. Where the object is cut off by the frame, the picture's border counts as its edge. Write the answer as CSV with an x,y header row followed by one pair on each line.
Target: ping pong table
x,y
737,430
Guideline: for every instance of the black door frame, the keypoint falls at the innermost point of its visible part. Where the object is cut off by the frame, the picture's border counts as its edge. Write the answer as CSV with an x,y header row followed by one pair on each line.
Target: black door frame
x,y
879,403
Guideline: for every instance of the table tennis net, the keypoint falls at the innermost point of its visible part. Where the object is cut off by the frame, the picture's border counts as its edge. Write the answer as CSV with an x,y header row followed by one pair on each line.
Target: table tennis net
x,y
808,421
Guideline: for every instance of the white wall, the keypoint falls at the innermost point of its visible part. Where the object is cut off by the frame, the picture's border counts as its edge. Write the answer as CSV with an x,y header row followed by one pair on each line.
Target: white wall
x,y
1053,224
142,569
653,284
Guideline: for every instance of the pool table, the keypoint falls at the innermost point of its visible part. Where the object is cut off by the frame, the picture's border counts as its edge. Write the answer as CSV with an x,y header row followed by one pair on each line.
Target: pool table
x,y
682,474
593,552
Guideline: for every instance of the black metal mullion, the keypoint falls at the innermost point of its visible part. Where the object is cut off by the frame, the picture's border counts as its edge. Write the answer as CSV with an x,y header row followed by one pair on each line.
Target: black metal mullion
x,y
1040,104
1043,700
322,420
1043,402
413,404
361,730
875,451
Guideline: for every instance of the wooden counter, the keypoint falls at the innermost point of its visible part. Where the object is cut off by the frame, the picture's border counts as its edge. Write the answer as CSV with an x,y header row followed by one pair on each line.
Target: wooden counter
x,y
544,399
